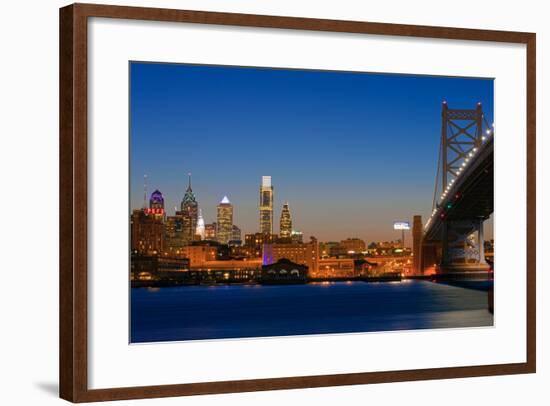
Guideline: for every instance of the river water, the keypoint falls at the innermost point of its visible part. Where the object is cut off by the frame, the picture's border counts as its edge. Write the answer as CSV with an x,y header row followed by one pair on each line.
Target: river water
x,y
231,311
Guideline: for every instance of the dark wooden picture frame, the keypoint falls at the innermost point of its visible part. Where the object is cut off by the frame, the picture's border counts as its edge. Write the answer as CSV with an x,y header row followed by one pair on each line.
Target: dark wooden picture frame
x,y
73,201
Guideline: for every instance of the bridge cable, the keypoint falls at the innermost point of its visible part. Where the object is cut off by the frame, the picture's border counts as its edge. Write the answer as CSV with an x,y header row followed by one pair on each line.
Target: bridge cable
x,y
437,174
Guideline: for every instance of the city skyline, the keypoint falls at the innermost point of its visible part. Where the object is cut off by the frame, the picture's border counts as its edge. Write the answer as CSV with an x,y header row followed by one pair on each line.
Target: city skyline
x,y
347,185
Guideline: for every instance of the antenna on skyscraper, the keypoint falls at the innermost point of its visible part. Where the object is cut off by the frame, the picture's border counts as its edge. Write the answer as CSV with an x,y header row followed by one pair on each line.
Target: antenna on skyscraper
x,y
145,191
189,174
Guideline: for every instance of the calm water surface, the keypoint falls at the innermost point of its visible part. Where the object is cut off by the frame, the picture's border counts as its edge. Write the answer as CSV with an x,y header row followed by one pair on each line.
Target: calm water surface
x,y
230,311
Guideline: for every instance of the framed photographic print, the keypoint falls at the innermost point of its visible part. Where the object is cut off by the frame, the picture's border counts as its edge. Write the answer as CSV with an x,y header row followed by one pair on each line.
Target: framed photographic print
x,y
256,202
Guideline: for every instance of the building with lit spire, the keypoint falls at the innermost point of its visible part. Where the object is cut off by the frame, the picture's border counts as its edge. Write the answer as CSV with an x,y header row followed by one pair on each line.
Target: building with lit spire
x,y
266,206
201,231
156,206
285,223
189,213
224,224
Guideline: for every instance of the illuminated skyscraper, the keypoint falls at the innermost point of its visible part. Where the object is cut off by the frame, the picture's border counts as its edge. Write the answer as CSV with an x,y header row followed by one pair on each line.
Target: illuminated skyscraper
x,y
173,234
189,213
201,232
210,231
156,206
285,224
266,206
225,221
236,233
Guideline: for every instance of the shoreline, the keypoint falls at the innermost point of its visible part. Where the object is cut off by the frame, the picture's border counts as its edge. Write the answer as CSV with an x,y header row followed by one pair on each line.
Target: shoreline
x,y
475,282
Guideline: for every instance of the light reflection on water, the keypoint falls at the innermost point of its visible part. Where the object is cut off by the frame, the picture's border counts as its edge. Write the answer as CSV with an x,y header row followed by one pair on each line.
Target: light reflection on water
x,y
231,311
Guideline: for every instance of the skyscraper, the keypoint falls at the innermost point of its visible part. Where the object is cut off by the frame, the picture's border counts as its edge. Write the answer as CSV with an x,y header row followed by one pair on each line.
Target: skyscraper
x,y
201,232
156,205
173,234
210,231
236,233
266,206
285,224
225,221
189,213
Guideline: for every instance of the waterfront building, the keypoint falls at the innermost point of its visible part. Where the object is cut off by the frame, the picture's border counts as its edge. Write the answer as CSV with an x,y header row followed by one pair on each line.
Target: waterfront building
x,y
200,231
147,233
210,231
224,221
199,254
306,254
145,267
284,271
285,223
330,249
228,265
388,248
335,268
189,212
266,206
353,245
244,251
256,241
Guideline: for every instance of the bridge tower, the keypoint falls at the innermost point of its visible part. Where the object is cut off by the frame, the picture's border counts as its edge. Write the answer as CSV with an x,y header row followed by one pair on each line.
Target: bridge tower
x,y
463,132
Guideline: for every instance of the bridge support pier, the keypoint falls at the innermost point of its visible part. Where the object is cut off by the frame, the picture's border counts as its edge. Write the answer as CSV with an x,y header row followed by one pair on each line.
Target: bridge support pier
x,y
463,247
430,257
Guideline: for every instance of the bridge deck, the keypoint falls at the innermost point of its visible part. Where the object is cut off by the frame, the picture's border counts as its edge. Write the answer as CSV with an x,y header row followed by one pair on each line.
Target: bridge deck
x,y
471,195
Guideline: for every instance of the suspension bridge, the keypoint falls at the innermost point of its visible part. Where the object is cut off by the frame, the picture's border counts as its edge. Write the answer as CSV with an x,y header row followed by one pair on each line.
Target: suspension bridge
x,y
451,242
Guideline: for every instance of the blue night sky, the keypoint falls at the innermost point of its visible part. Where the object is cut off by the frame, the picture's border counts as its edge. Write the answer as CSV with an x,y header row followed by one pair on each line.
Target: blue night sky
x,y
350,152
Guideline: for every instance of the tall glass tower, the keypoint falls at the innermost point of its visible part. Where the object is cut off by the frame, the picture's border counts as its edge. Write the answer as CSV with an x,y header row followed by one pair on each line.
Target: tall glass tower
x,y
225,221
266,206
285,224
